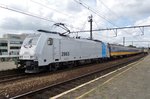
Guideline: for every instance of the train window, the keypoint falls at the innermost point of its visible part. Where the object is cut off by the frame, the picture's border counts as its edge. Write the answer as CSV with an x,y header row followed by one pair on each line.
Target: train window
x,y
50,41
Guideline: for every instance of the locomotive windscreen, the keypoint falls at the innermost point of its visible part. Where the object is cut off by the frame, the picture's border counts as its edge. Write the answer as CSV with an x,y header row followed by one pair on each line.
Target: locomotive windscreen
x,y
31,40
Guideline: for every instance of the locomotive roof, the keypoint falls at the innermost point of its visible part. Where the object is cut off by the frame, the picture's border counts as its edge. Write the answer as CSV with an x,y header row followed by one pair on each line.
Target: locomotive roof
x,y
45,31
57,35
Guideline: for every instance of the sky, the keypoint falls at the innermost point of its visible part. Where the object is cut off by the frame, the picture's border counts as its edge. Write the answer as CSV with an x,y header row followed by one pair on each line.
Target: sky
x,y
109,13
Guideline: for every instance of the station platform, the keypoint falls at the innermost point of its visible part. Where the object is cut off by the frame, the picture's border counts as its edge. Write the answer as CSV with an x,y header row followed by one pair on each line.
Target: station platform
x,y
131,82
7,65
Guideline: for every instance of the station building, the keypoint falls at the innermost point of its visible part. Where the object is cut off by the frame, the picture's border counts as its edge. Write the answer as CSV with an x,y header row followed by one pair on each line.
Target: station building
x,y
10,44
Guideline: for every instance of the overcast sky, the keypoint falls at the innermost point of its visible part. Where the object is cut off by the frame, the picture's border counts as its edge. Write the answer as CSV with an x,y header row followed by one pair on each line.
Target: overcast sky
x,y
111,13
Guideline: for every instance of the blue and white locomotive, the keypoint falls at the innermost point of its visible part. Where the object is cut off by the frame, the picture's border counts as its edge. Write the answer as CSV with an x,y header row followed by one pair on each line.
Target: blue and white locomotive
x,y
50,50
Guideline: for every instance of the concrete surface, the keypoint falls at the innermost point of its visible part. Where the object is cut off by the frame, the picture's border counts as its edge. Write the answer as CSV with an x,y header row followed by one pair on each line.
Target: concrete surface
x,y
7,65
131,83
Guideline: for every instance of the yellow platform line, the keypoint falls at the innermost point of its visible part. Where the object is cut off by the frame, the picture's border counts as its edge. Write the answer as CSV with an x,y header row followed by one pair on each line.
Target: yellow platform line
x,y
66,92
83,95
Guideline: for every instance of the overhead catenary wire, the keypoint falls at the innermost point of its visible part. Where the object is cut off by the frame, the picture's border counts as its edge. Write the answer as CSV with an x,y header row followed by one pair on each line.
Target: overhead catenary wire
x,y
43,5
95,12
24,13
60,12
116,28
97,25
98,14
110,28
31,15
109,9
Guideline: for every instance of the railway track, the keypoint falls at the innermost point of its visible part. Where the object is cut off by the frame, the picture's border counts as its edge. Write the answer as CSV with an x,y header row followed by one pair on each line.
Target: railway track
x,y
20,76
72,81
9,75
12,77
11,72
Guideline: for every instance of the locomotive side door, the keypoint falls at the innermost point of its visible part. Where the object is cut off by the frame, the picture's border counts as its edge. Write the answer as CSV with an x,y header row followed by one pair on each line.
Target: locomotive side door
x,y
56,50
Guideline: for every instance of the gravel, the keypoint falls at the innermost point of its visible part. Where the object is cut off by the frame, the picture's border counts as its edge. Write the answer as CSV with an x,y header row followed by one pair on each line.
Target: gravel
x,y
24,85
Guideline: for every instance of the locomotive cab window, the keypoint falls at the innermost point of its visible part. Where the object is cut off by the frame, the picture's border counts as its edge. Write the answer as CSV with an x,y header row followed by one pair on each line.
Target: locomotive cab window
x,y
50,41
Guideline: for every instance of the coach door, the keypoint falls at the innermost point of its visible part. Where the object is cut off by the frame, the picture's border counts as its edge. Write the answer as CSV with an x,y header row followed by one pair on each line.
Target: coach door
x,y
56,50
